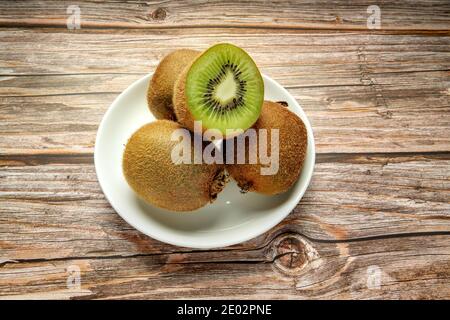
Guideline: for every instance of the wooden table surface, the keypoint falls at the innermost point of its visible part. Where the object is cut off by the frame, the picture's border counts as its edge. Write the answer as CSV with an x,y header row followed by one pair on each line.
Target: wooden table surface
x,y
375,221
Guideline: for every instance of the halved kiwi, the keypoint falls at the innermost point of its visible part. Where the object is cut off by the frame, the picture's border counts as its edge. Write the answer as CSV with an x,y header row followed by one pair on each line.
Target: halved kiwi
x,y
160,89
151,172
223,88
293,142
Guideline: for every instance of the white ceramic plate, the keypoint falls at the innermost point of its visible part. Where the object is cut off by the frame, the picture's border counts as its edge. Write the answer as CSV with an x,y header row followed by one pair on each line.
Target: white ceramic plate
x,y
231,219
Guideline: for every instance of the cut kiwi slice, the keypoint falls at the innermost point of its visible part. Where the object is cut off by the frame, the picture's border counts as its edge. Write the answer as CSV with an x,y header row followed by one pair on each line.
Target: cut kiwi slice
x,y
224,89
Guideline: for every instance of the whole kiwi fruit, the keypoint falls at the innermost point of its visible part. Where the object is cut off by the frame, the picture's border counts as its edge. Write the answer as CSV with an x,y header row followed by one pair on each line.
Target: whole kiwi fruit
x,y
293,143
160,89
222,88
150,171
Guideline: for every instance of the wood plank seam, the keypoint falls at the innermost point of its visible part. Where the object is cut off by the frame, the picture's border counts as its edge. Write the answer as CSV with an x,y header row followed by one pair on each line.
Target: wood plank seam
x,y
313,27
267,245
88,157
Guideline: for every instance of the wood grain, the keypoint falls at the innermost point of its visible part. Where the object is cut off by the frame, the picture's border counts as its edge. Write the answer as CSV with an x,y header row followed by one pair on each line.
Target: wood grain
x,y
351,86
287,267
337,57
401,113
58,210
341,15
375,221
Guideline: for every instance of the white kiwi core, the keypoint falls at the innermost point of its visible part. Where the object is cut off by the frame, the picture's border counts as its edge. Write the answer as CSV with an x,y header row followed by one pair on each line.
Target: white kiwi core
x,y
226,90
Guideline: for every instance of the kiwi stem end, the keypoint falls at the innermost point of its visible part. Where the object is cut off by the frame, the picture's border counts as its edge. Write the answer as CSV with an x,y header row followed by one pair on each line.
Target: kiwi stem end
x,y
220,180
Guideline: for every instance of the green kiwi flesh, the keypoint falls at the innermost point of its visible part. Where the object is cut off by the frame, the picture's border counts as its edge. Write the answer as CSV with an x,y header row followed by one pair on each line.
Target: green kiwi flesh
x,y
223,88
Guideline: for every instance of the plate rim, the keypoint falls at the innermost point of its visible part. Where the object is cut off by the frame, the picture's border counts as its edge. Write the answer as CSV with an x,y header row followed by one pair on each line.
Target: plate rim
x,y
217,244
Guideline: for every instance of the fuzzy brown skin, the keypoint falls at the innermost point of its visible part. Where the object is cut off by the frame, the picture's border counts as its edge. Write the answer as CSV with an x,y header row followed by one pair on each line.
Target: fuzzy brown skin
x,y
160,89
184,116
293,143
150,172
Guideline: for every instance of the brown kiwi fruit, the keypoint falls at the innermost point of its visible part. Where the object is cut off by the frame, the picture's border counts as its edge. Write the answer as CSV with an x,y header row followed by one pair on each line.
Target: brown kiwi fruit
x,y
293,142
151,173
160,89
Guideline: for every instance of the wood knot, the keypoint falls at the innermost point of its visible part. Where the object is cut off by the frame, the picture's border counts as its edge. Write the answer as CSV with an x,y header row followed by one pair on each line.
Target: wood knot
x,y
291,253
158,14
